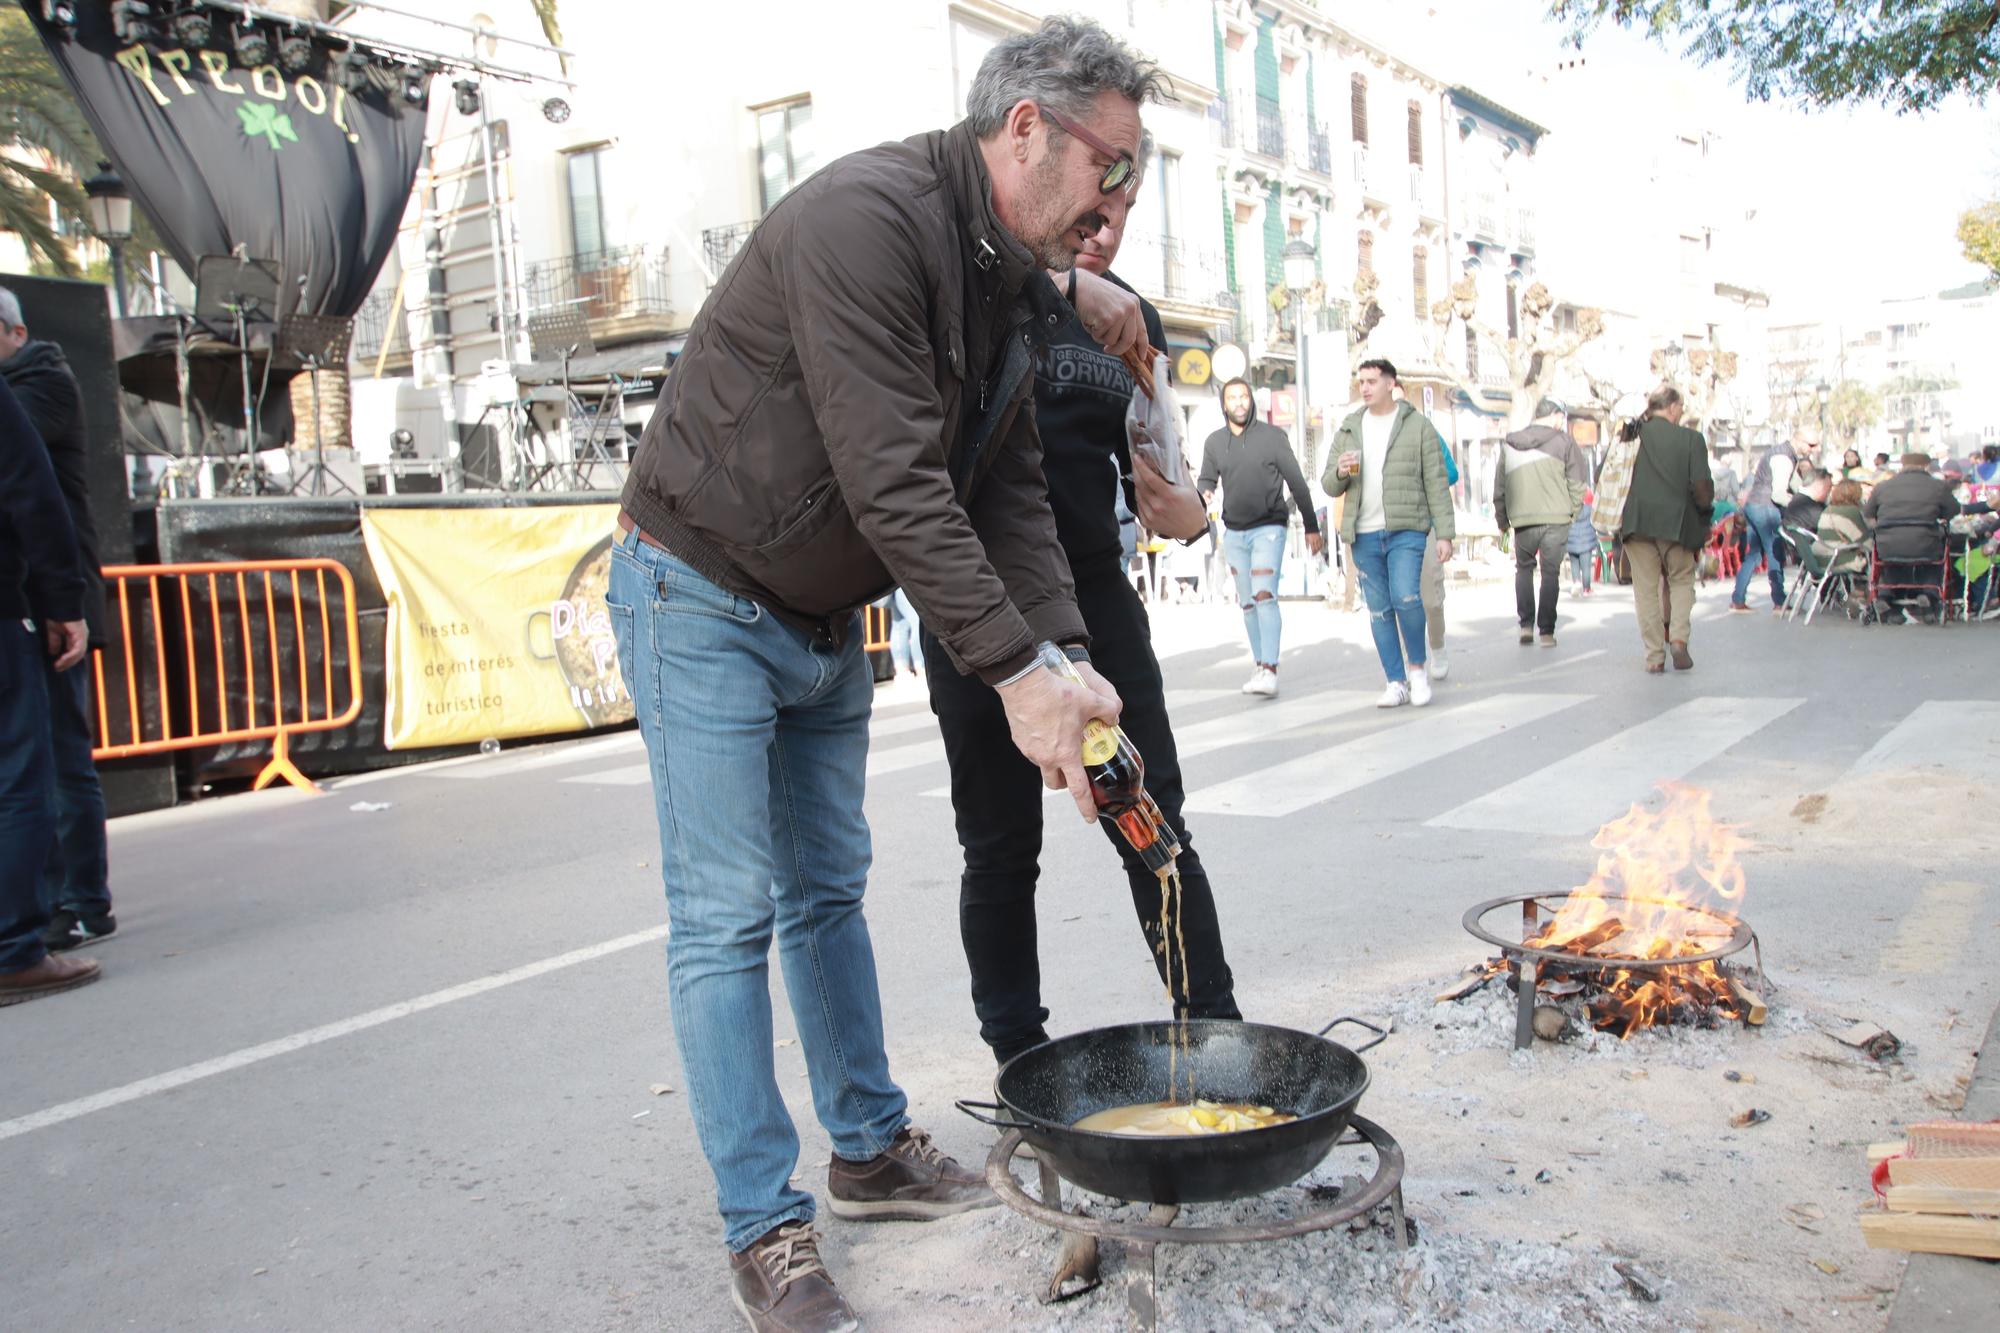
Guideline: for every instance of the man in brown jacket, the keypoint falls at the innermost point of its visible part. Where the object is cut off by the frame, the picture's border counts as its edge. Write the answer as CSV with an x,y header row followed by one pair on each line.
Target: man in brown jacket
x,y
849,415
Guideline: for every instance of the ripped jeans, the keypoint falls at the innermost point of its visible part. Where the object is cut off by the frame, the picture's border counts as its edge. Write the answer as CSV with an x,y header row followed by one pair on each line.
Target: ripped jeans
x,y
1391,565
1254,555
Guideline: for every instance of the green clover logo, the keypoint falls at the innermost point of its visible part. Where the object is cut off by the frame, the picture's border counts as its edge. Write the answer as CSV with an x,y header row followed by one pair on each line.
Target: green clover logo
x,y
265,119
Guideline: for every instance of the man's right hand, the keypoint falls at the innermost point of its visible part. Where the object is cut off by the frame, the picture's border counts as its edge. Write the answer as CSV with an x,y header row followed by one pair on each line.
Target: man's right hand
x,y
67,640
1109,312
1046,715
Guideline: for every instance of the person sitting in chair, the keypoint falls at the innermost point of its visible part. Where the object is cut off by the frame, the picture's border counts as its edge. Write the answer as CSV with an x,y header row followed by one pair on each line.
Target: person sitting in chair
x,y
1908,512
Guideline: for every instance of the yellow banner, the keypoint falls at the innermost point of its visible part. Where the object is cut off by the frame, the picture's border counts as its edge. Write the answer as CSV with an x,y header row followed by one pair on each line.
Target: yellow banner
x,y
497,625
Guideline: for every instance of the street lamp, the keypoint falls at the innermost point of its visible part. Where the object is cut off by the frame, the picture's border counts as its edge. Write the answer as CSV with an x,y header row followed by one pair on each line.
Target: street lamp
x,y
1823,392
1301,272
111,218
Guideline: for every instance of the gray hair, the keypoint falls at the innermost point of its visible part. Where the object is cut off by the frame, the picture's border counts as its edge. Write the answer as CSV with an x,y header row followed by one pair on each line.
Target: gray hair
x,y
1063,64
10,310
1662,398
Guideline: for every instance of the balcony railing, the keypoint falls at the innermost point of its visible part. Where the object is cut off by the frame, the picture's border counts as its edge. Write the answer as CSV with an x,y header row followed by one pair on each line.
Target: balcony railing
x,y
622,284
720,244
1524,230
1485,217
1171,269
372,328
1417,185
1361,167
1270,128
1319,150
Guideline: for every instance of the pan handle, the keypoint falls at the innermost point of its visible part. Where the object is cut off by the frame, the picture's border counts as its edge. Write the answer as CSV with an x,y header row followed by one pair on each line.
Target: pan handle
x,y
973,1109
1380,1033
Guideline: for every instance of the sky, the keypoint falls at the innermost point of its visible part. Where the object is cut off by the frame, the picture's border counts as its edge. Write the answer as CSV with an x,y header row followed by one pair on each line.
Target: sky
x,y
1851,205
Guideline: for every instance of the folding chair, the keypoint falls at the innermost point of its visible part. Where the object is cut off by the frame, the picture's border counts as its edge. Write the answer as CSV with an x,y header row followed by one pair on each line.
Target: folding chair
x,y
1801,543
1880,582
1728,552
1831,578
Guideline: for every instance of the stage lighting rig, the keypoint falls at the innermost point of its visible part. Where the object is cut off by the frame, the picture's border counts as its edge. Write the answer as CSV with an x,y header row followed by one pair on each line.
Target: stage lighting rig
x,y
466,96
253,48
295,52
132,22
192,28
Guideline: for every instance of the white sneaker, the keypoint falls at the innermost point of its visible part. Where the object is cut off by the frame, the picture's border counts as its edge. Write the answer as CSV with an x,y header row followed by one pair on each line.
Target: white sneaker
x,y
1395,696
1255,685
1265,683
1420,687
1440,664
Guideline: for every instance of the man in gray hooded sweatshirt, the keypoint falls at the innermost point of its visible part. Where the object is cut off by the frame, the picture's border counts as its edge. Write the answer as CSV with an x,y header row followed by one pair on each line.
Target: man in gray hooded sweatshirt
x,y
1538,487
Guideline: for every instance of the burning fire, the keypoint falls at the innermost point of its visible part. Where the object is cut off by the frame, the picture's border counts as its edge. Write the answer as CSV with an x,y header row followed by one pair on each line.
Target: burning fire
x,y
1667,885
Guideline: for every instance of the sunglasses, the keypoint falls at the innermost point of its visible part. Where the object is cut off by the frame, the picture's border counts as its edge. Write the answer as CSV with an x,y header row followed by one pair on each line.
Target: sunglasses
x,y
1119,174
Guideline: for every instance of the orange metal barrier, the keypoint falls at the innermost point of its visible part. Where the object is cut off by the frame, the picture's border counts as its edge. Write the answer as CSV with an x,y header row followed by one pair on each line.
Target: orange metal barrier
x,y
218,605
876,632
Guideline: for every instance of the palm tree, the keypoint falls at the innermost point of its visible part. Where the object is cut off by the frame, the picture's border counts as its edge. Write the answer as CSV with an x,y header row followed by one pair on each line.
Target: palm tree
x,y
38,120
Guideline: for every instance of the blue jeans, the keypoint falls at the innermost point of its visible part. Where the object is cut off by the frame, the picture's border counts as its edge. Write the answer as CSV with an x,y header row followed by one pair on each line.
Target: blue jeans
x,y
1762,523
758,741
1254,556
1391,568
77,872
27,794
903,648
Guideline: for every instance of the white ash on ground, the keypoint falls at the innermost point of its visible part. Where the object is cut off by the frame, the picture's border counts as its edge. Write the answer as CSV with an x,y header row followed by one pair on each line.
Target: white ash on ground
x,y
1350,1278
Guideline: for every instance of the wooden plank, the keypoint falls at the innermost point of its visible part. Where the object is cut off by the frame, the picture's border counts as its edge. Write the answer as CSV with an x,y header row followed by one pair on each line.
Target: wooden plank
x,y
1465,986
1750,1002
1966,1173
1943,1199
1882,1152
1977,1237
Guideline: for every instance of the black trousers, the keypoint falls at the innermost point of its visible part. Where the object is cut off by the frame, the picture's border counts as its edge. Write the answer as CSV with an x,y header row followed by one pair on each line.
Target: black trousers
x,y
1538,544
997,796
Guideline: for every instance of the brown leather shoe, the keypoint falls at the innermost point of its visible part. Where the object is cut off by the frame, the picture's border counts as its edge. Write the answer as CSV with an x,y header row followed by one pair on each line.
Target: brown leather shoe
x,y
912,1182
55,973
1682,661
781,1286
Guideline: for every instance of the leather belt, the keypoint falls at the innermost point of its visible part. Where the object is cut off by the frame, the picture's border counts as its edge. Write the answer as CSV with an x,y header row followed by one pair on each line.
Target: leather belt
x,y
626,524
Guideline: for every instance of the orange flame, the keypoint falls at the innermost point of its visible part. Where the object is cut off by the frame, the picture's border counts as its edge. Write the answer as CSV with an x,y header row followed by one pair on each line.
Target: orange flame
x,y
1666,886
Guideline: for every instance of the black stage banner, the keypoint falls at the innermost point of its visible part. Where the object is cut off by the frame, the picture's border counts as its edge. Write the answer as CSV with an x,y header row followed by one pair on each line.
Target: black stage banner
x,y
293,166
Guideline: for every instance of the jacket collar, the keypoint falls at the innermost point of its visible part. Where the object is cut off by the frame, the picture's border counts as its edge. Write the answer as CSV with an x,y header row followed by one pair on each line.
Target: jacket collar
x,y
989,246
1403,409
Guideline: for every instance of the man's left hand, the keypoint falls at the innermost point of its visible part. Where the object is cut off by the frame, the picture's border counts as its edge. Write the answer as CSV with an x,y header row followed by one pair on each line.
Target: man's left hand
x,y
1315,542
1165,508
67,642
1444,549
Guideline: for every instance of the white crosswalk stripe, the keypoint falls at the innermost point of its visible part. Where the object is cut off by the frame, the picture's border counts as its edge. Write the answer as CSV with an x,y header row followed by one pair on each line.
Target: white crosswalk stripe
x,y
1255,723
1411,739
1943,733
1578,793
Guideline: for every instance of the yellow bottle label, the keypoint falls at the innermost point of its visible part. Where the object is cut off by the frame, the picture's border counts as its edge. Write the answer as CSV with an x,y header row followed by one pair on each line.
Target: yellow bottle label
x,y
1100,743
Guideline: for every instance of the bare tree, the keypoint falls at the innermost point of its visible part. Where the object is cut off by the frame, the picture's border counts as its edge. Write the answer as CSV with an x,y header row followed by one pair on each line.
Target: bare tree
x,y
1532,360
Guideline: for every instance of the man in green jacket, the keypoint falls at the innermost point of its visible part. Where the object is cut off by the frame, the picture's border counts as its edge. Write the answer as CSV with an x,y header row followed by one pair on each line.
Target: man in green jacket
x,y
1665,525
1392,458
1538,488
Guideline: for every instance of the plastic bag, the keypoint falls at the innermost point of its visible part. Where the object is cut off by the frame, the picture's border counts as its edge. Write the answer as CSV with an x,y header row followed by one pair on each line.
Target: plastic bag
x,y
1153,423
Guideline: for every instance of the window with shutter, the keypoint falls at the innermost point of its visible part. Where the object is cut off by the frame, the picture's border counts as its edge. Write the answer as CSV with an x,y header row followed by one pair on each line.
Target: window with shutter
x,y
1360,100
1416,135
1420,282
1364,252
1471,353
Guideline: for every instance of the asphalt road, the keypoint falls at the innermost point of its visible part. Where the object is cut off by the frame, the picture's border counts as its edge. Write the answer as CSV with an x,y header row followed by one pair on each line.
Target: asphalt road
x,y
391,1069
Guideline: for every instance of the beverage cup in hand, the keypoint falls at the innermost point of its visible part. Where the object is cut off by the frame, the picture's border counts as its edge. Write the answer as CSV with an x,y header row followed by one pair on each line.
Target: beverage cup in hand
x,y
1350,463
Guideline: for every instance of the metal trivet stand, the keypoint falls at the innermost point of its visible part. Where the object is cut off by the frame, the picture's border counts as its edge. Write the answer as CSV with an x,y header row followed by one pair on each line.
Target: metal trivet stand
x,y
1143,1239
1525,961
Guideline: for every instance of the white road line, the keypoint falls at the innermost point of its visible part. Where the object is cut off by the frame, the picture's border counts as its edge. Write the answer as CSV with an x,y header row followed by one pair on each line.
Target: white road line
x,y
1576,794
1414,737
500,766
1932,936
626,775
250,1055
1940,733
1257,722
1567,661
